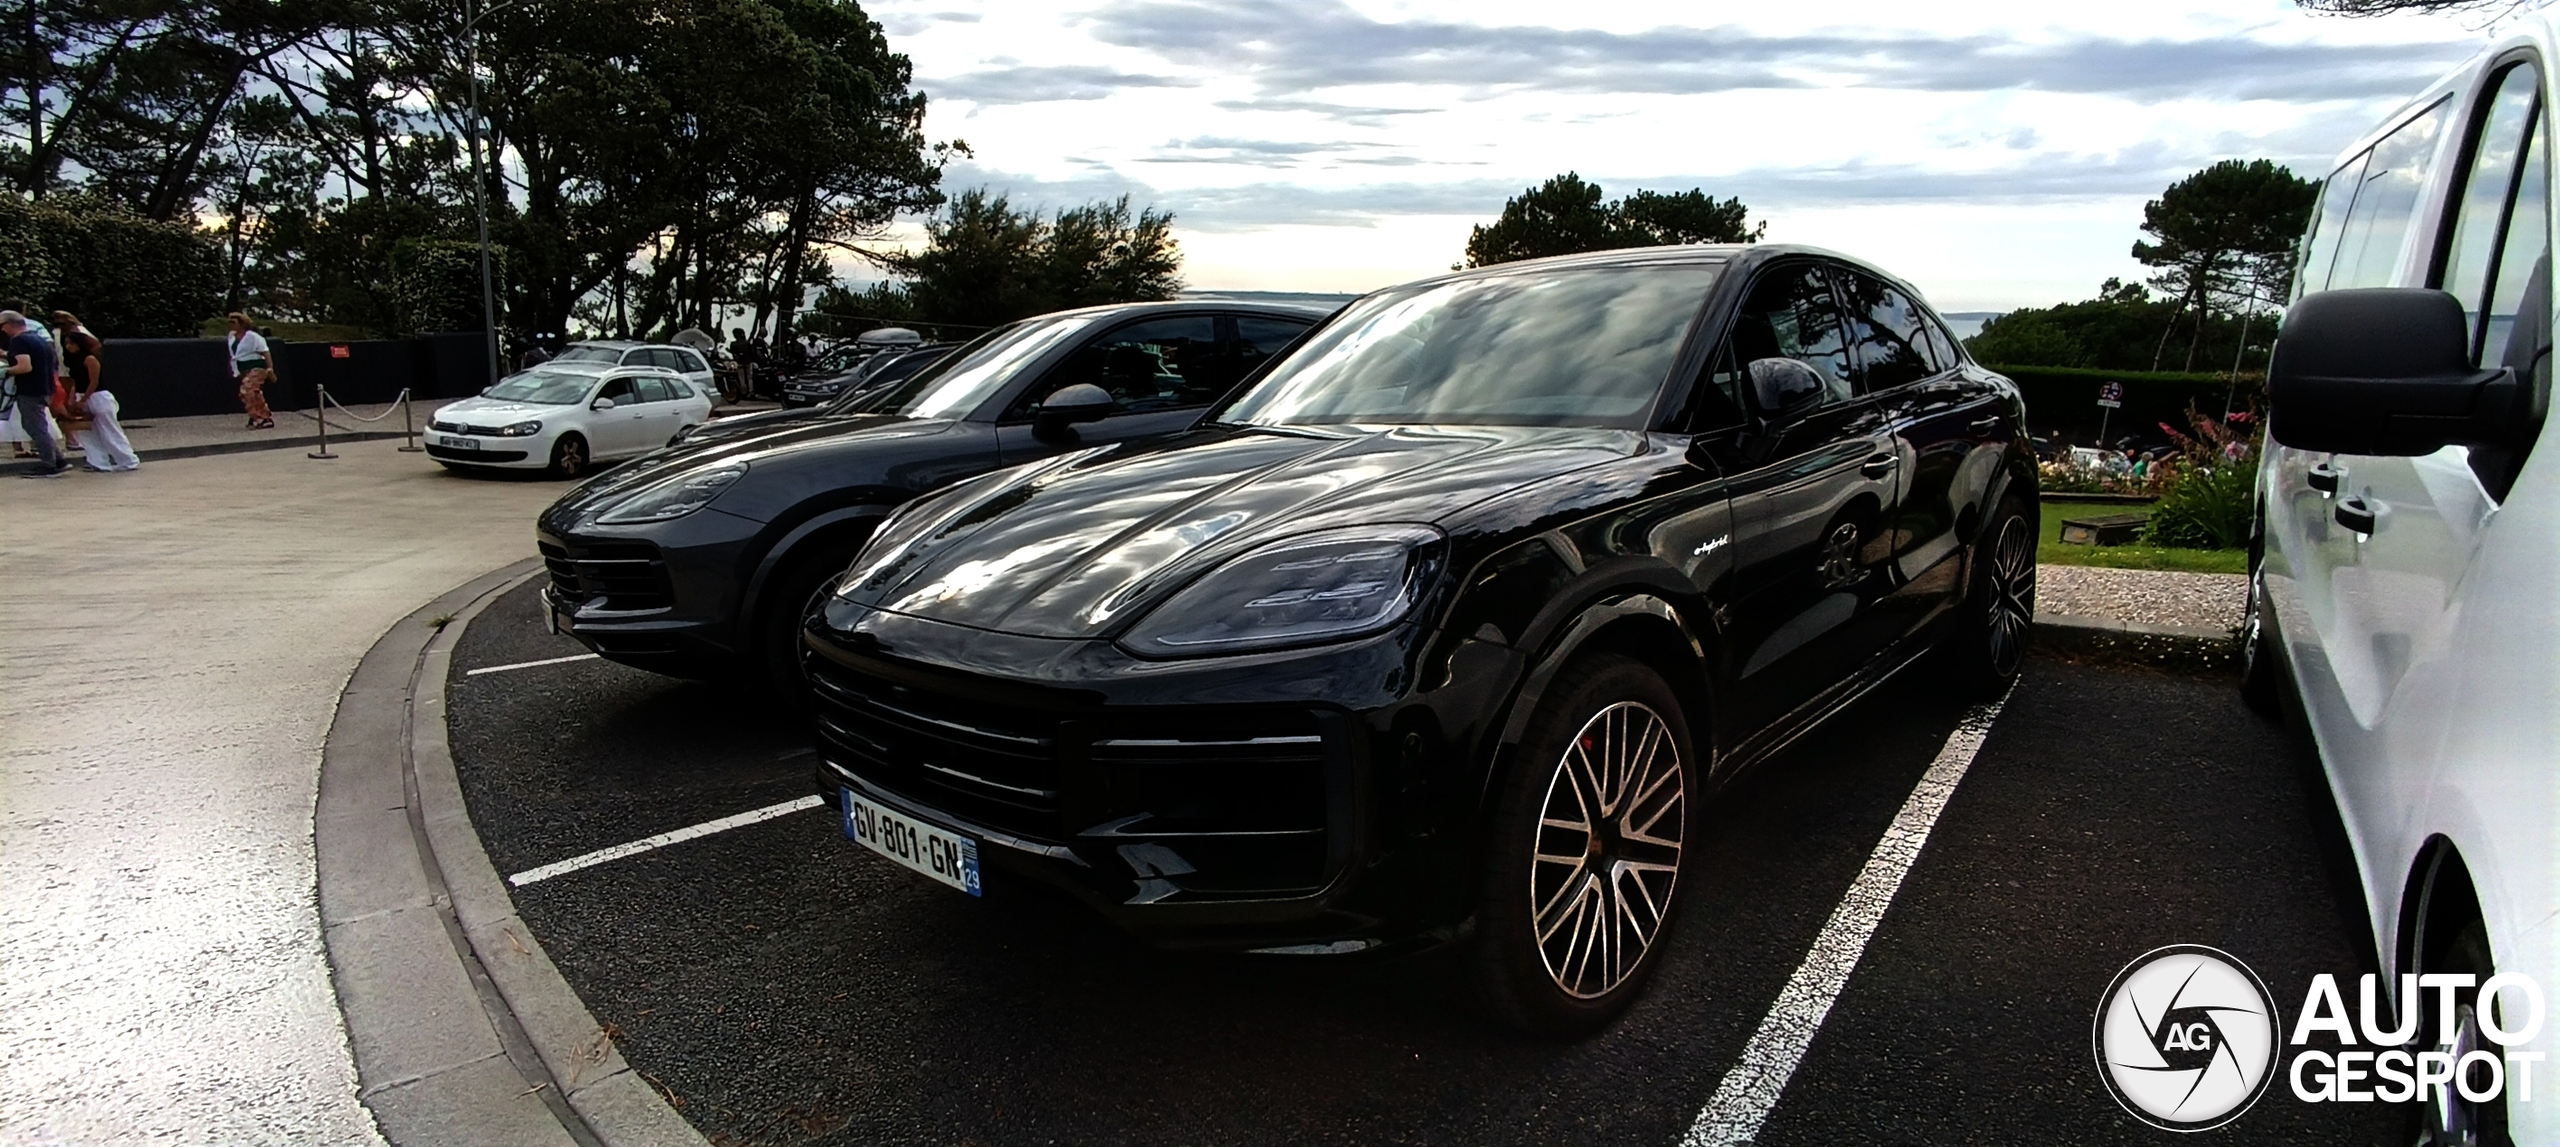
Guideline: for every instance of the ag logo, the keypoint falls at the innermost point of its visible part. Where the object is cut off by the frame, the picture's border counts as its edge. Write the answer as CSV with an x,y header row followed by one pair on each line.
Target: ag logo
x,y
2186,1038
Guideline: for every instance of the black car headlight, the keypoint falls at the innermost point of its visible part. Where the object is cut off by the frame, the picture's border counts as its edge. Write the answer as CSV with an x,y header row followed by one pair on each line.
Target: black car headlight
x,y
520,430
1325,586
672,498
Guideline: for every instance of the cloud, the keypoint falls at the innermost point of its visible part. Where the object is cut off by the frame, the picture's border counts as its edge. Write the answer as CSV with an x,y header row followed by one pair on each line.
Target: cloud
x,y
910,23
1031,85
1354,114
1298,46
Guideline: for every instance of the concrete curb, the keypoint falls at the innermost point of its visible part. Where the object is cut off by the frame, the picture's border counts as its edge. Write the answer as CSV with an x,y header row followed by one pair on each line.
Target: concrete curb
x,y
2176,647
463,1030
304,441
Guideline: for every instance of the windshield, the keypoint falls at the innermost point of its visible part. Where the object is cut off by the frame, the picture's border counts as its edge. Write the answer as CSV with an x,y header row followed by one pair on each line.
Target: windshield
x,y
585,353
544,387
964,378
1554,348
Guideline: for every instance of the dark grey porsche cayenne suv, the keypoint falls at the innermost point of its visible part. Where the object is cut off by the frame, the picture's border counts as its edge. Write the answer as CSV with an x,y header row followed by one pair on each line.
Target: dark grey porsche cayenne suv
x,y
1442,627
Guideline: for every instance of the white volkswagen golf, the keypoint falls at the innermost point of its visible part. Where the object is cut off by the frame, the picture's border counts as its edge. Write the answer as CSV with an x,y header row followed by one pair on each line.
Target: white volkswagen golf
x,y
2406,587
567,417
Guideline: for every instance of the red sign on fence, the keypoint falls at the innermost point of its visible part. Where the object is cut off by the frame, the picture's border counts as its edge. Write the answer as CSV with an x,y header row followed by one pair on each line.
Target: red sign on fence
x,y
340,352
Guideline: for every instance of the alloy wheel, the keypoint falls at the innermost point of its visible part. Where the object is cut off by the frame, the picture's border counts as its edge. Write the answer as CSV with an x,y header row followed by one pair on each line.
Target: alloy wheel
x,y
1608,849
2013,596
571,458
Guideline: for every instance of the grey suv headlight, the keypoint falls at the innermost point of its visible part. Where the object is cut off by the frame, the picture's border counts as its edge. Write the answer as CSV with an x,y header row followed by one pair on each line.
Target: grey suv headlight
x,y
1325,586
673,498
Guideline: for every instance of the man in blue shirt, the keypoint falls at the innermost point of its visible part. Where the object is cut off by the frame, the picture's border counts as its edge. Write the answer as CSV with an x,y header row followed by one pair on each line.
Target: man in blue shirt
x,y
30,372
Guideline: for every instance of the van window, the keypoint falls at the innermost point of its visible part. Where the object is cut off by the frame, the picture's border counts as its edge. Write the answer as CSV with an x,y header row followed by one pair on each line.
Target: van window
x,y
2320,251
2488,182
2386,199
2528,240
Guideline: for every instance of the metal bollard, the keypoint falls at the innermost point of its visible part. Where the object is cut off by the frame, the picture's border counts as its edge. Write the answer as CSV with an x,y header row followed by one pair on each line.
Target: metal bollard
x,y
323,405
408,429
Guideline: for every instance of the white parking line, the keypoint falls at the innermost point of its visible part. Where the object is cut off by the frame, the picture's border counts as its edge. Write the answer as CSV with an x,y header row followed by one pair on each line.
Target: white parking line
x,y
1749,1091
649,843
529,664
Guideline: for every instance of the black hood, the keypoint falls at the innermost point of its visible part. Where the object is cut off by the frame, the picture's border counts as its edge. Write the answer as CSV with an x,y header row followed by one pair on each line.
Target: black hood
x,y
1077,546
771,442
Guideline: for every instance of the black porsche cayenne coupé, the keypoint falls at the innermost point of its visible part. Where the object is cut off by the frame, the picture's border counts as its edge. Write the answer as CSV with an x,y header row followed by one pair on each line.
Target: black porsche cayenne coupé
x,y
699,560
1441,628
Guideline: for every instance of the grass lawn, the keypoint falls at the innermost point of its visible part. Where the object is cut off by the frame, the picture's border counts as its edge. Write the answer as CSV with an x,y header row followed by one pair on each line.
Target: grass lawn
x,y
2050,550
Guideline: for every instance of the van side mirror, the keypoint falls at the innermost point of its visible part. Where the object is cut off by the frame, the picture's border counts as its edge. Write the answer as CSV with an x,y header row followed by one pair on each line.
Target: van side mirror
x,y
1784,387
1068,405
2382,371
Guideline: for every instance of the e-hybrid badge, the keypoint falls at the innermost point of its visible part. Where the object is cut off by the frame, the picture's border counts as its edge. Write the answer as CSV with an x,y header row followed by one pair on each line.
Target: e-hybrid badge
x,y
941,854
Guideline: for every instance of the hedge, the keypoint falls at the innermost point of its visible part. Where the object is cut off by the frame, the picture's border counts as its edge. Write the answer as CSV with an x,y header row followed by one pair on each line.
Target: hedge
x,y
2062,402
124,275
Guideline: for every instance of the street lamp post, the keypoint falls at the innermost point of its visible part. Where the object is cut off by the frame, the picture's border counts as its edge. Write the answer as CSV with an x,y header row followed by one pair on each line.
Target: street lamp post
x,y
480,185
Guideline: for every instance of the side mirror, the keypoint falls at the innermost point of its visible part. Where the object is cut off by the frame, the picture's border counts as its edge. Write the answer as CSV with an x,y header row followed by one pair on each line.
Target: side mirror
x,y
601,404
1082,402
2383,371
486,389
1783,386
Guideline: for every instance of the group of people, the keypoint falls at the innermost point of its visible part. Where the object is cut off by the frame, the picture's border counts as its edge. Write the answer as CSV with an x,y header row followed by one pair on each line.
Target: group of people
x,y
56,380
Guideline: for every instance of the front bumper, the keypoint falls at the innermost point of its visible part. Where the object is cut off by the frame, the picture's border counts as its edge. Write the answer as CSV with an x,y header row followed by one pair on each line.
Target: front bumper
x,y
662,597
1240,804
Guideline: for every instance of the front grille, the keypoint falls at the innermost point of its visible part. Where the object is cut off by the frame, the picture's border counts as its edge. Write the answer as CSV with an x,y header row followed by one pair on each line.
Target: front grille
x,y
1225,804
618,576
464,428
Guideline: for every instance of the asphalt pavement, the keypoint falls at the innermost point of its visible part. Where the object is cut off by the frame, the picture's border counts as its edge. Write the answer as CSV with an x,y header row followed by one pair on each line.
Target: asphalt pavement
x,y
784,987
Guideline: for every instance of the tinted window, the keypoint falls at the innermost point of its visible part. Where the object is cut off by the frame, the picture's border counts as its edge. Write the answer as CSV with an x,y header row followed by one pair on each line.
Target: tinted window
x,y
1942,345
689,362
1587,347
1259,338
2386,198
1158,364
1790,315
619,390
1890,332
2523,254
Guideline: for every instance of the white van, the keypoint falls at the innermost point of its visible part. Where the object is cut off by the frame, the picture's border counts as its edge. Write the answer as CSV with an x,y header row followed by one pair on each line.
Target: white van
x,y
2406,568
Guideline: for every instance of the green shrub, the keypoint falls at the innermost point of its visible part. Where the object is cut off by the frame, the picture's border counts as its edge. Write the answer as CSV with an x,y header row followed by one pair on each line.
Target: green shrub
x,y
124,275
2205,507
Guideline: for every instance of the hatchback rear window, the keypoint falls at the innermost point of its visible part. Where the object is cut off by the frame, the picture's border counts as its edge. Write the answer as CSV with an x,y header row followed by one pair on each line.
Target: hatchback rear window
x,y
1584,347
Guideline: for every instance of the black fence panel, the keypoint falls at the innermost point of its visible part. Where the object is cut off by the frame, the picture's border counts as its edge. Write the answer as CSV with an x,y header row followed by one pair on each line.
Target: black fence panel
x,y
174,378
170,378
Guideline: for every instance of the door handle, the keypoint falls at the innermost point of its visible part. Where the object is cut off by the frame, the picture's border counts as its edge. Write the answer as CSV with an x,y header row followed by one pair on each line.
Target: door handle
x,y
2356,513
2324,476
1984,425
1879,466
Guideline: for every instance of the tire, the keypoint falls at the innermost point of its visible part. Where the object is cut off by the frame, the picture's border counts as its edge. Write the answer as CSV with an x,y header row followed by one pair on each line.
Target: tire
x,y
569,456
1989,644
2454,1121
787,598
1554,934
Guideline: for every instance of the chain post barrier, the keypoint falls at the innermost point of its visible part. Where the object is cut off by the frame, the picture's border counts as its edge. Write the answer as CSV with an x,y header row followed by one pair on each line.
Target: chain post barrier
x,y
323,412
408,428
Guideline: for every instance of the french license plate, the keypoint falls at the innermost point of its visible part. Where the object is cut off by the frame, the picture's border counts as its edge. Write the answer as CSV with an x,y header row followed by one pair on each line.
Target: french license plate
x,y
939,853
462,443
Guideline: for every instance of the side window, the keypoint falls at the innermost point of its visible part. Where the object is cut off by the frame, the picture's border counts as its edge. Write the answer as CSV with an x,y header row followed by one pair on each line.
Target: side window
x,y
1790,314
2488,185
2385,200
655,389
1942,345
1889,331
619,390
1158,364
690,362
2320,247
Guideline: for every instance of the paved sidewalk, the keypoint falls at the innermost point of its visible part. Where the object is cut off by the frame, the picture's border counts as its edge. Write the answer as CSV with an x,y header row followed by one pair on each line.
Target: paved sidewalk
x,y
176,639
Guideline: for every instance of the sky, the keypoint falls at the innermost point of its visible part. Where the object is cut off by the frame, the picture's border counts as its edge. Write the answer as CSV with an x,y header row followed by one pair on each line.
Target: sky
x,y
1997,154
